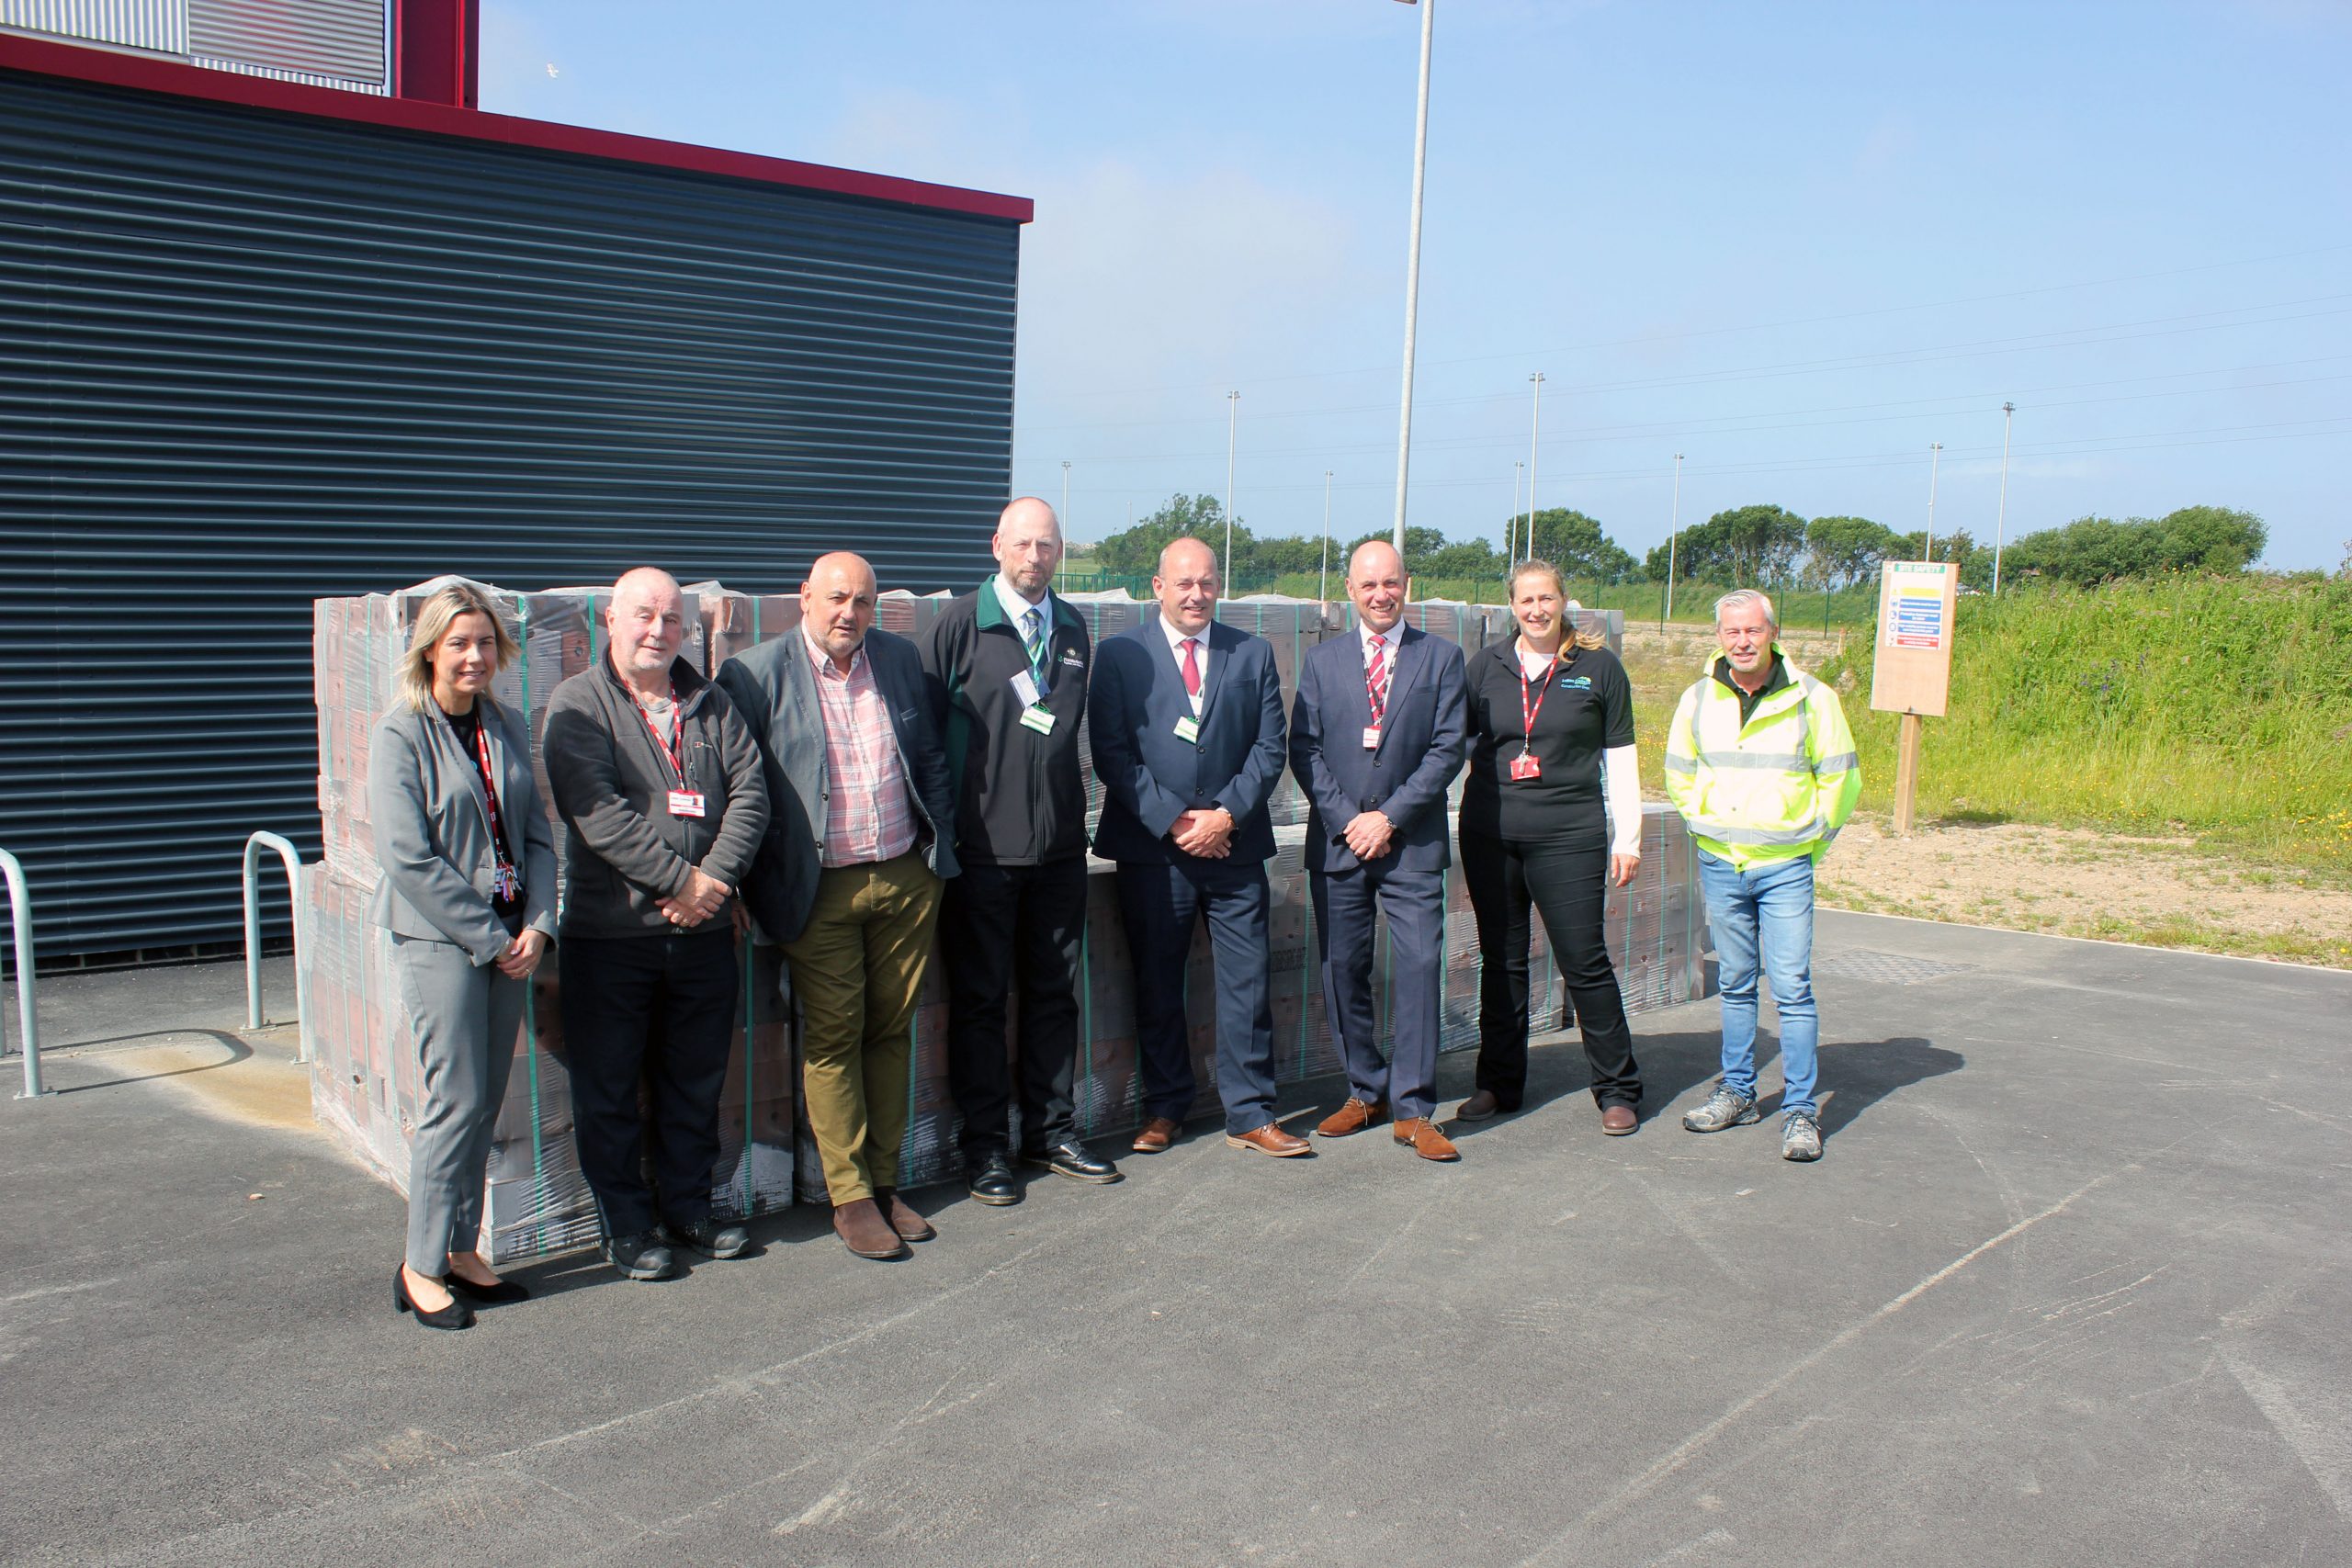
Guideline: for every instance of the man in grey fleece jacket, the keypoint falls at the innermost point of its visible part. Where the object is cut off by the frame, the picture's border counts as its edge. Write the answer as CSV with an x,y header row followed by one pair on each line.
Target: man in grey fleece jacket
x,y
658,783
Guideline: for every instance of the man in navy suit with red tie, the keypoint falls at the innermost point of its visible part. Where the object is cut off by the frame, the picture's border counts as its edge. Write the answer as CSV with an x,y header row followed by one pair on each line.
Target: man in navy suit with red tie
x,y
1378,731
1186,719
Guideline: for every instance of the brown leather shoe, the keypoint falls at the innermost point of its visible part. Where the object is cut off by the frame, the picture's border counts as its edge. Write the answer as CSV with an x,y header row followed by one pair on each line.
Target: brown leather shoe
x,y
1618,1120
1352,1117
1480,1107
862,1230
1158,1131
909,1226
1419,1134
1270,1139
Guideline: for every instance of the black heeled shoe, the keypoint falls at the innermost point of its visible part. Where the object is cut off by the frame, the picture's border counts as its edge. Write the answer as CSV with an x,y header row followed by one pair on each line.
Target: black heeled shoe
x,y
501,1294
456,1314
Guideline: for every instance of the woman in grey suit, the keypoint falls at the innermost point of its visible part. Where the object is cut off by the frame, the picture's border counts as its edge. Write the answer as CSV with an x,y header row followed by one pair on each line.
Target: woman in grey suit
x,y
469,897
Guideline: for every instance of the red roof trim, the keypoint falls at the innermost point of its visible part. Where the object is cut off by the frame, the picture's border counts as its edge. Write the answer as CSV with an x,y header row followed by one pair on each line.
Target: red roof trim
x,y
150,75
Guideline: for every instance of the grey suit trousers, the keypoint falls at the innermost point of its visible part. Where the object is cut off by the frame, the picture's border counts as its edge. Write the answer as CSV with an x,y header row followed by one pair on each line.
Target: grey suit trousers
x,y
466,1019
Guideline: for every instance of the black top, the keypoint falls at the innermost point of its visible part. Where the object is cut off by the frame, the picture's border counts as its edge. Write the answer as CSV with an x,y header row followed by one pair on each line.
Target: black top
x,y
1774,679
1019,792
468,726
1586,709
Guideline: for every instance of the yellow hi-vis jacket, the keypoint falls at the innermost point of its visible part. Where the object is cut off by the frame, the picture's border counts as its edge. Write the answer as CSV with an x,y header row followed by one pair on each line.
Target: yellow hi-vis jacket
x,y
1779,786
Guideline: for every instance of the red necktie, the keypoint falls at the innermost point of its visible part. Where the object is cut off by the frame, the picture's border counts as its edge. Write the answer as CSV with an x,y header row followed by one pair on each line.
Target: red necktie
x,y
1192,671
1376,678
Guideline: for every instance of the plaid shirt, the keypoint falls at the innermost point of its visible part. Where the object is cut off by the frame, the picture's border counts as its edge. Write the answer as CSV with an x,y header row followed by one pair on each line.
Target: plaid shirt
x,y
867,818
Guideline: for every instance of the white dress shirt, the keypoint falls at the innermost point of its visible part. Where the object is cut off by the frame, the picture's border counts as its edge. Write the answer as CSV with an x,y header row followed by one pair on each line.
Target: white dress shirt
x,y
1200,639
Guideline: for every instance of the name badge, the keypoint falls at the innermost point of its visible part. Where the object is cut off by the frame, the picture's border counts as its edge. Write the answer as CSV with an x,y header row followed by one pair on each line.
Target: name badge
x,y
1188,729
505,883
1025,686
686,802
1524,766
1371,737
1039,719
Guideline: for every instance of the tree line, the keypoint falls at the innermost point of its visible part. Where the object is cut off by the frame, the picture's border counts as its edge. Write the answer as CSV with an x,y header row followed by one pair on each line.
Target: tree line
x,y
1759,543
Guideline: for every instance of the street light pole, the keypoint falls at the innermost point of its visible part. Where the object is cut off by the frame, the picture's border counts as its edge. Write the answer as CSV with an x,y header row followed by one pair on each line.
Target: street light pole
x,y
1534,436
1413,272
1510,529
1934,455
2001,527
1232,422
1323,584
1065,517
1673,534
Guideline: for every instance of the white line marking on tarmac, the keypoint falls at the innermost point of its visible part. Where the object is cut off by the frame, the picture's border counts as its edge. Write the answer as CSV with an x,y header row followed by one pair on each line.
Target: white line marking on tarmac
x,y
2321,1444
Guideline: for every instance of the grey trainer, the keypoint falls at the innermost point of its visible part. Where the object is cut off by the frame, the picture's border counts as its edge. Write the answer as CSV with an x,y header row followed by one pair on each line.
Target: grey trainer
x,y
1724,1108
1800,1136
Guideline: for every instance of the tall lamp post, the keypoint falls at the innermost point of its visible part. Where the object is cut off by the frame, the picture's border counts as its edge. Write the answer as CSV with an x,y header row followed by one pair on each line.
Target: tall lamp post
x,y
1510,529
2001,523
1323,584
1232,422
1065,517
1673,534
1934,455
1534,436
1413,270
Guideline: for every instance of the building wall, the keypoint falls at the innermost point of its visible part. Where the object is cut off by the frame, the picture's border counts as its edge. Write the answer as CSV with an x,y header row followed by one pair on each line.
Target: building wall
x,y
252,358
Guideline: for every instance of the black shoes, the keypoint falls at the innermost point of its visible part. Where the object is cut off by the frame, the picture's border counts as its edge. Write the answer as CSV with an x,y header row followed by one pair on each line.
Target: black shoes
x,y
456,1314
640,1256
992,1182
709,1237
1070,1158
499,1294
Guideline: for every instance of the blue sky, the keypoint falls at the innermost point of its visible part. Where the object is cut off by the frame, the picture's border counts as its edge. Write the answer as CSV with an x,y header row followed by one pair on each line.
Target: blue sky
x,y
1796,243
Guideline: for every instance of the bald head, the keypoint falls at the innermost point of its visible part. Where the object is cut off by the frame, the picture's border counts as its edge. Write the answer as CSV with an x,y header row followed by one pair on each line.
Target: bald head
x,y
1028,547
1187,585
837,604
1376,584
645,626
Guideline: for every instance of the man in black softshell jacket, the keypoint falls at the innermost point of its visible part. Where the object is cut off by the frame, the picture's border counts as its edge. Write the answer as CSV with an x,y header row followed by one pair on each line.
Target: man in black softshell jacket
x,y
1007,667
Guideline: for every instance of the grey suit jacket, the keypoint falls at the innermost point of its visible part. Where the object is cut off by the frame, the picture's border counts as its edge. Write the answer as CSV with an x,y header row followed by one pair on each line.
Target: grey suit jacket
x,y
433,830
776,691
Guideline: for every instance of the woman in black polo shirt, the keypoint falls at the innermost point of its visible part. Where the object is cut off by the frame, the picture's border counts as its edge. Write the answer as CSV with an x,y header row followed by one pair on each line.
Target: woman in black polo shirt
x,y
1545,707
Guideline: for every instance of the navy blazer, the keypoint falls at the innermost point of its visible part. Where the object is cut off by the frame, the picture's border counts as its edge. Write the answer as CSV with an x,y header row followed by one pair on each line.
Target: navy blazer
x,y
1149,777
1424,738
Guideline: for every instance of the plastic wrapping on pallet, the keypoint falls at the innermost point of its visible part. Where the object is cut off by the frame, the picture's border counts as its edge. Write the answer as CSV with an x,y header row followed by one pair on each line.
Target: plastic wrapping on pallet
x,y
364,1084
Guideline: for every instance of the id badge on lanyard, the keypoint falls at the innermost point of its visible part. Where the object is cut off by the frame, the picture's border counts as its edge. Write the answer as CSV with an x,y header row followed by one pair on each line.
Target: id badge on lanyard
x,y
686,800
1525,766
505,882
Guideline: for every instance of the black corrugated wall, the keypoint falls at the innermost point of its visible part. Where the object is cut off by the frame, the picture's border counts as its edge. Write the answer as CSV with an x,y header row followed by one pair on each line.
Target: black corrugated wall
x,y
248,359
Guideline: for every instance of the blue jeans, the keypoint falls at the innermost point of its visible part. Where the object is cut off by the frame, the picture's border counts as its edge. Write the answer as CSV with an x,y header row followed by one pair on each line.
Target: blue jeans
x,y
1766,912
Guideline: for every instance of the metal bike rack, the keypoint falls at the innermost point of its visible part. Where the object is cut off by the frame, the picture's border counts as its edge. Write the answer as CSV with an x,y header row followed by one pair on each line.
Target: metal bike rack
x,y
20,911
293,859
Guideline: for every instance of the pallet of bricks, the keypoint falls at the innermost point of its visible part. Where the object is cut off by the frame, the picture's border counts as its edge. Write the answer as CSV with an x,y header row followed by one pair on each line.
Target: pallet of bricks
x,y
364,1085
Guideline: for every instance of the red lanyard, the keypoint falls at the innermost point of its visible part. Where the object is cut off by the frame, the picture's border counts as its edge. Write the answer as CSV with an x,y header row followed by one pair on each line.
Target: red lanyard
x,y
1528,711
489,779
677,761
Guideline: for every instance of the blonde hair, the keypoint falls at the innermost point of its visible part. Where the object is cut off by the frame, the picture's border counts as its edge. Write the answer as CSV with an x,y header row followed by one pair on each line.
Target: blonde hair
x,y
1530,566
433,622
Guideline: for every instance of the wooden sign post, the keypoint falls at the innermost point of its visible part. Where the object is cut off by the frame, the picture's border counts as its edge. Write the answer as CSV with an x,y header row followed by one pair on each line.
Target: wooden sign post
x,y
1912,673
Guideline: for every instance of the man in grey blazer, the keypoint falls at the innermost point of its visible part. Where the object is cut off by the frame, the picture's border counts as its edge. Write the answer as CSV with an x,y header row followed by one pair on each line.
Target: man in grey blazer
x,y
659,787
848,877
1379,728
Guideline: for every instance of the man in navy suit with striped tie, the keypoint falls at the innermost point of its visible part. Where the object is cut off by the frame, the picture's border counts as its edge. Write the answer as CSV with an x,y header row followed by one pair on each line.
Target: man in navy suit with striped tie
x,y
1378,731
1186,719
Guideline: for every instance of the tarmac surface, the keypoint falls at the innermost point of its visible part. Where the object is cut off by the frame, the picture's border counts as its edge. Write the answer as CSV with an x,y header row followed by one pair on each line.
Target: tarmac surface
x,y
2069,1286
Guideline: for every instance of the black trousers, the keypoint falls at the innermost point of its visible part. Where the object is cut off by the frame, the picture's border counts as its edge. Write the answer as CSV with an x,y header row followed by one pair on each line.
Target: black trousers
x,y
1003,927
658,1009
1504,875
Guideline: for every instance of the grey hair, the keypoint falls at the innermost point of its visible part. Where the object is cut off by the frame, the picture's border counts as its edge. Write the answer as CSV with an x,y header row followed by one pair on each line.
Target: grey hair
x,y
1740,599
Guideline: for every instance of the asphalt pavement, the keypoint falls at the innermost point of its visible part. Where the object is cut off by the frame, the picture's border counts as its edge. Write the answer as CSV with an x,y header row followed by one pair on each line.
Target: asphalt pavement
x,y
2068,1287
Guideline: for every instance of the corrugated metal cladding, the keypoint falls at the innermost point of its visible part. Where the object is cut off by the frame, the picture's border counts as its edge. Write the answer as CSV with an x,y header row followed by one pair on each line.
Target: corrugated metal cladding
x,y
160,26
343,38
248,359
